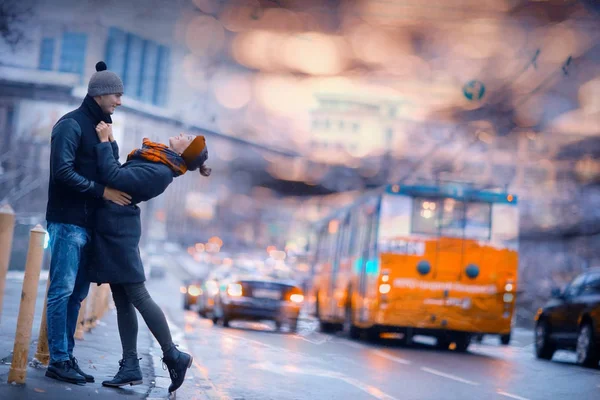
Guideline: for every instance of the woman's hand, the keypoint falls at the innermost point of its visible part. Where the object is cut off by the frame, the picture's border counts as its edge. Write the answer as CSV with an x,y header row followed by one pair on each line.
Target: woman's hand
x,y
104,131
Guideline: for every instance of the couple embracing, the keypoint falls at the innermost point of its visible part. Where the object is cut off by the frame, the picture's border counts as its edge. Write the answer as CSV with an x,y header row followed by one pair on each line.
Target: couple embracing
x,y
95,228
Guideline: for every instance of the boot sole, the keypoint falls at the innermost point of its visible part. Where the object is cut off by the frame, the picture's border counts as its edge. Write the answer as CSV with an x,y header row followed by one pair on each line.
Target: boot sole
x,y
132,383
53,375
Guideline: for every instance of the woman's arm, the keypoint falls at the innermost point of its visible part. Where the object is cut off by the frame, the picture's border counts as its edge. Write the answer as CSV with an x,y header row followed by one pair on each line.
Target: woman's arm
x,y
142,183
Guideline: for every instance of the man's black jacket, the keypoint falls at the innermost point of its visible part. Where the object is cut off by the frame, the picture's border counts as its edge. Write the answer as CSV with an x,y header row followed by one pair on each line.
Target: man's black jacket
x,y
74,192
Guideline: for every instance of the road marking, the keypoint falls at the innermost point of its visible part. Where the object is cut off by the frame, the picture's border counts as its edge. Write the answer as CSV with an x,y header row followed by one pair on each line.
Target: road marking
x,y
512,396
323,373
353,344
453,377
391,357
256,342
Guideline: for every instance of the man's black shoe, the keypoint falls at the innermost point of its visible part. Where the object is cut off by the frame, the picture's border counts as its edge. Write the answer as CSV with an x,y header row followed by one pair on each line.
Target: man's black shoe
x,y
63,371
75,365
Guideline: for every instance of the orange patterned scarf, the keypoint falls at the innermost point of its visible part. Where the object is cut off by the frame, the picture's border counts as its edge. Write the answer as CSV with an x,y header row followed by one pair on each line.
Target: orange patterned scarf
x,y
159,153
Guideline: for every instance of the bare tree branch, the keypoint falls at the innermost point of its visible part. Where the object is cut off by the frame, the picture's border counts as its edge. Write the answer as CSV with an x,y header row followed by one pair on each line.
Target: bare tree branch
x,y
13,16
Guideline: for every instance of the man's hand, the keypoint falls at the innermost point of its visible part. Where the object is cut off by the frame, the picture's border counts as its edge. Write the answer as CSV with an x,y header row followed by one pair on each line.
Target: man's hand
x,y
104,131
116,196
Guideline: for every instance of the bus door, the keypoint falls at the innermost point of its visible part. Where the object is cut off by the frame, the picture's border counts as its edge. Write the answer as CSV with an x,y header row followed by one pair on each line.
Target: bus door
x,y
449,265
369,265
324,268
339,275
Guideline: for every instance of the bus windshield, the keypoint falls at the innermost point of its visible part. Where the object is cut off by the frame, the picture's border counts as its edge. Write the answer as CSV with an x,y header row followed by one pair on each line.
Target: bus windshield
x,y
451,218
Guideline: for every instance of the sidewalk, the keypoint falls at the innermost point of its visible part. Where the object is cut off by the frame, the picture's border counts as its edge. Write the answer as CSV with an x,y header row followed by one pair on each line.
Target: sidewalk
x,y
98,354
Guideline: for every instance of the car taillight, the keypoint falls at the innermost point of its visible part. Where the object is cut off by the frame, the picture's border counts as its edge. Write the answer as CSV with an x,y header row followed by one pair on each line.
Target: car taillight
x,y
297,298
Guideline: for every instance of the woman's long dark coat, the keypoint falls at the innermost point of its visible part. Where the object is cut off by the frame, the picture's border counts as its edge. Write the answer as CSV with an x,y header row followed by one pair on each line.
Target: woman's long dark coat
x,y
114,255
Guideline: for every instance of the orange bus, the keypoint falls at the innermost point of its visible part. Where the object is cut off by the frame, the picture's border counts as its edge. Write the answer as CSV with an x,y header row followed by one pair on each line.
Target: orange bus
x,y
435,260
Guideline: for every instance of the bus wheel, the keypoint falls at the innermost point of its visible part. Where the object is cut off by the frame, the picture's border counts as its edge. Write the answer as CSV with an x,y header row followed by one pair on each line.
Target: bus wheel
x,y
352,330
462,342
373,334
326,327
442,343
505,339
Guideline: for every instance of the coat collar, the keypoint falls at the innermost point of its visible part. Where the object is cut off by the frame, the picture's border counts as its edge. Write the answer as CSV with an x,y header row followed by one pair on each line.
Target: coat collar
x,y
93,110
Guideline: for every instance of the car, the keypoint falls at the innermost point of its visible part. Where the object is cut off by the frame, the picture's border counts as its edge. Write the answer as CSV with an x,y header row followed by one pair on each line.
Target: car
x,y
571,320
255,298
191,290
157,266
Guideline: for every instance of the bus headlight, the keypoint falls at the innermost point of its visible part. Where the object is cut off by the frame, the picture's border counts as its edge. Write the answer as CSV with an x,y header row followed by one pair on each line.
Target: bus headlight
x,y
194,291
508,297
384,288
508,287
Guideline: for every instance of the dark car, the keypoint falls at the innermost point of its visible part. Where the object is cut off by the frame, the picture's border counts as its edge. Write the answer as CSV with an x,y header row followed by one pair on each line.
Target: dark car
x,y
191,290
258,298
571,320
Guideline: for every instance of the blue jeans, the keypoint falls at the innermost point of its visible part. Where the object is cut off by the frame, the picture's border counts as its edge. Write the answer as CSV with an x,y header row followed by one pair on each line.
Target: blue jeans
x,y
69,285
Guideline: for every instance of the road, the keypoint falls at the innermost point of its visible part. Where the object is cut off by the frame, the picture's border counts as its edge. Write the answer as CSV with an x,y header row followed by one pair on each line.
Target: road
x,y
251,361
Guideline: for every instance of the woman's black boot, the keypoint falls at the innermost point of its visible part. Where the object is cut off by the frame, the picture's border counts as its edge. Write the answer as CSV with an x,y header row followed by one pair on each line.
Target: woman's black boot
x,y
177,363
129,373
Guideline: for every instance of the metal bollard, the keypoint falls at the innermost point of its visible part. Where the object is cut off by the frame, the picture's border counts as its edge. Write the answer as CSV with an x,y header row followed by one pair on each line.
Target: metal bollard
x,y
89,311
7,228
98,295
33,266
93,303
105,299
81,321
43,352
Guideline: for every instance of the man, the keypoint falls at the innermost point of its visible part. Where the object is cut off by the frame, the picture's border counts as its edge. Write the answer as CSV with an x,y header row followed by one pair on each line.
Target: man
x,y
73,196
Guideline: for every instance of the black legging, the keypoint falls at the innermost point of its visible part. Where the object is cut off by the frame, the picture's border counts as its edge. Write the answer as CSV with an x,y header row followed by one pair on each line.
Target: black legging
x,y
130,295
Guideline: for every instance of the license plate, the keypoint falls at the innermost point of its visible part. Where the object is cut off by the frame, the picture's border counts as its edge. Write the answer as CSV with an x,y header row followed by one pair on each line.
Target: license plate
x,y
267,294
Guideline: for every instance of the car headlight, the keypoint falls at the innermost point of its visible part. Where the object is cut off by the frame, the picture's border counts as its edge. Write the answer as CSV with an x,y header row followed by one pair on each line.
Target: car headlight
x,y
234,289
297,298
194,290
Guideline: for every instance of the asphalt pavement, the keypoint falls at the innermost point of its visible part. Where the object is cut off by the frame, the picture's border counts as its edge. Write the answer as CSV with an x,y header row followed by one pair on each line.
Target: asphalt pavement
x,y
251,361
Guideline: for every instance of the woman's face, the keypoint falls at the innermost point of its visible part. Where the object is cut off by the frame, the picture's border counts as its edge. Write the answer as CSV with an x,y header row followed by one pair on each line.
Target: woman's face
x,y
179,143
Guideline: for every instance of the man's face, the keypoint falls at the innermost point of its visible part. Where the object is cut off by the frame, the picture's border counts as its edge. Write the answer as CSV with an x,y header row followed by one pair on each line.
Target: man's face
x,y
109,102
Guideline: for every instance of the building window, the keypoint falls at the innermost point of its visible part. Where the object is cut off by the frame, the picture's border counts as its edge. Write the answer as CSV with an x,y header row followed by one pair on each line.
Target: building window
x,y
72,56
149,68
341,125
47,54
142,64
162,76
133,65
116,49
355,127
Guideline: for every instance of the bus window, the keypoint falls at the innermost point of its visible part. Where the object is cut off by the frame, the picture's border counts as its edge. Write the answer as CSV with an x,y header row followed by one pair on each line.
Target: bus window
x,y
478,221
452,218
425,214
346,229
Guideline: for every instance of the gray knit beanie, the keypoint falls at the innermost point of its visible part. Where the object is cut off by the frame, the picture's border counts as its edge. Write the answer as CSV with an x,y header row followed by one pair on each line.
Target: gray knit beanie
x,y
104,82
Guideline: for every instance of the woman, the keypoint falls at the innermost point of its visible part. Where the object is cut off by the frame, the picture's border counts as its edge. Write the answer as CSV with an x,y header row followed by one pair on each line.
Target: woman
x,y
115,255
